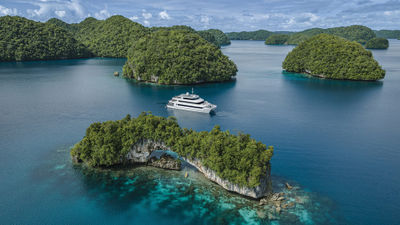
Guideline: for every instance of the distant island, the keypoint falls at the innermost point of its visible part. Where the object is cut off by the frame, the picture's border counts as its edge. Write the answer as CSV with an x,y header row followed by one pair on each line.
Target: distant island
x,y
358,33
177,57
215,36
277,39
332,57
236,162
389,34
377,43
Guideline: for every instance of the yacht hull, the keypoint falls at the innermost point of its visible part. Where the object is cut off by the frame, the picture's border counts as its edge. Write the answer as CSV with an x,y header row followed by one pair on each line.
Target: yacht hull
x,y
203,110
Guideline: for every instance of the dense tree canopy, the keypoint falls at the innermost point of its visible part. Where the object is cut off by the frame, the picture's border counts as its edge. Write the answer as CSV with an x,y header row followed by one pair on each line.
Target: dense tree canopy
x,y
175,27
277,39
214,36
358,33
237,158
177,57
332,57
390,34
66,26
377,43
111,37
219,37
22,39
259,35
298,37
208,36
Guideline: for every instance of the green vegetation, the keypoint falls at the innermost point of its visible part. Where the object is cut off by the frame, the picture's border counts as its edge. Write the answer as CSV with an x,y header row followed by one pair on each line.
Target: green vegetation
x,y
358,33
389,34
66,26
220,37
277,39
165,55
208,36
237,158
259,35
106,144
214,36
175,27
332,57
298,37
177,57
22,39
111,37
377,43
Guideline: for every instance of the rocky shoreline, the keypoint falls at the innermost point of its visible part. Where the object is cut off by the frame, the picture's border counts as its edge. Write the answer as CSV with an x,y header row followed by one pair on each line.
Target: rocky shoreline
x,y
166,162
141,153
263,190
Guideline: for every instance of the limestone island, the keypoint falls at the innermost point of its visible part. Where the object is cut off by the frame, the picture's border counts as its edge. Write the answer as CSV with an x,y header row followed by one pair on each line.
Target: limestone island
x,y
238,163
277,39
332,57
177,57
377,43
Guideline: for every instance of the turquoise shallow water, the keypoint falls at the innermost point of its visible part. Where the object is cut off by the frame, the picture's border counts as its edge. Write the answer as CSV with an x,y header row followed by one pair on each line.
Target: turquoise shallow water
x,y
337,140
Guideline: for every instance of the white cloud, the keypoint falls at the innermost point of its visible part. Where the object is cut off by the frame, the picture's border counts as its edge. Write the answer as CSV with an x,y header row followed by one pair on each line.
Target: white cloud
x,y
76,7
7,11
60,8
146,15
392,13
103,14
134,18
60,13
146,23
205,20
164,15
311,16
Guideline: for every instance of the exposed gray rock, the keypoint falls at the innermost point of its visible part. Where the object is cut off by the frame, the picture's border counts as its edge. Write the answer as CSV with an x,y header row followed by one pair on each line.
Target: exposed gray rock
x,y
140,152
166,162
257,192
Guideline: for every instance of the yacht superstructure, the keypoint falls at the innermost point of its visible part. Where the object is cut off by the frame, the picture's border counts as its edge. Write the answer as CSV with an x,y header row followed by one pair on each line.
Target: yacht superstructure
x,y
190,102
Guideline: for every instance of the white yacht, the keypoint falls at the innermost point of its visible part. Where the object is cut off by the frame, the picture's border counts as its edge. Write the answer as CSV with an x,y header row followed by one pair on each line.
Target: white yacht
x,y
190,102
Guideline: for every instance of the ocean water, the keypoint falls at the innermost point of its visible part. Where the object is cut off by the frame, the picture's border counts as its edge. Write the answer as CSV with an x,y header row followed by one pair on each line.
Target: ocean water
x,y
338,141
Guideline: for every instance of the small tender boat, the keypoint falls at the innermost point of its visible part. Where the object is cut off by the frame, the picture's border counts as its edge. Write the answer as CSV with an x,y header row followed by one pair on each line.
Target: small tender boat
x,y
191,102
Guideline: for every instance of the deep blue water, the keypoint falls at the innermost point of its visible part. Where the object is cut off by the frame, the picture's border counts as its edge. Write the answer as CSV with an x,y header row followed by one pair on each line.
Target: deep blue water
x,y
338,140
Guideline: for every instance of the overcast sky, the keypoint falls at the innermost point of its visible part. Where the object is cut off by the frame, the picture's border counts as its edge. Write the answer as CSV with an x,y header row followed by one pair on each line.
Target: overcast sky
x,y
232,15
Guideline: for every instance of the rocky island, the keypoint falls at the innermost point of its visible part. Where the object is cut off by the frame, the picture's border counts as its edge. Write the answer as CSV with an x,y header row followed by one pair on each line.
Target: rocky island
x,y
361,34
377,43
177,57
163,55
277,39
238,163
332,57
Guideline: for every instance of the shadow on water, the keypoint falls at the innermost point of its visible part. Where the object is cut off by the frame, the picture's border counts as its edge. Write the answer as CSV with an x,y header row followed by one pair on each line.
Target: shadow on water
x,y
149,89
337,86
340,92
